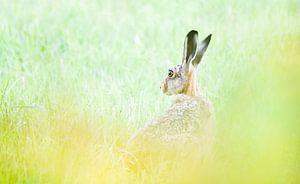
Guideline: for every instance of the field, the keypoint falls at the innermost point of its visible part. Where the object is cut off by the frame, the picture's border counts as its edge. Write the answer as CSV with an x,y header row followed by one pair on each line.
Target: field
x,y
77,79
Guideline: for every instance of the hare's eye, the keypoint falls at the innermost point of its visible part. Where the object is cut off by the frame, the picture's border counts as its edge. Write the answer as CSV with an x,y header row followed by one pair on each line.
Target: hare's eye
x,y
171,74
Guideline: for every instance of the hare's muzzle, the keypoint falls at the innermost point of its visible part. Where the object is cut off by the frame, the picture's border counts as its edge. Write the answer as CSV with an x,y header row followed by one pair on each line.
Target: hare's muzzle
x,y
163,87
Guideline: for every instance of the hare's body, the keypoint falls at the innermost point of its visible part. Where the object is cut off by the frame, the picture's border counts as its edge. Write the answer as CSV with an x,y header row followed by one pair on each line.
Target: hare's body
x,y
190,117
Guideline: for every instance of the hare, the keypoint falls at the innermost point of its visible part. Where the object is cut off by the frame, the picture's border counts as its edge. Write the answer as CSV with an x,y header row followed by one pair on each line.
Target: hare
x,y
190,117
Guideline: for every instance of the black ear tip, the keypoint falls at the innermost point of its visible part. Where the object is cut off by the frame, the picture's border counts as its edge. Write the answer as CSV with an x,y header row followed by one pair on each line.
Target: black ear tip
x,y
193,32
209,36
207,39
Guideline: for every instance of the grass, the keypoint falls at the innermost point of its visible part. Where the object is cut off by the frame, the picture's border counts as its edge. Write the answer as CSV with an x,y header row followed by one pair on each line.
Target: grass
x,y
78,78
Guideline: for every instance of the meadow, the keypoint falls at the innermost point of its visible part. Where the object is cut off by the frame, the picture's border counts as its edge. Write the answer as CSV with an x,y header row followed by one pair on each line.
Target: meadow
x,y
78,78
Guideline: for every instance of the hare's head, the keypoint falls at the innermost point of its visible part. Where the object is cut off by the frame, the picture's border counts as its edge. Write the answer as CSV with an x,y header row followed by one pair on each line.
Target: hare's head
x,y
181,79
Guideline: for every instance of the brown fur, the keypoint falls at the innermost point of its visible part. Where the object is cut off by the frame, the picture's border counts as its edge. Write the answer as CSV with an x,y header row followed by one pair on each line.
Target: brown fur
x,y
191,88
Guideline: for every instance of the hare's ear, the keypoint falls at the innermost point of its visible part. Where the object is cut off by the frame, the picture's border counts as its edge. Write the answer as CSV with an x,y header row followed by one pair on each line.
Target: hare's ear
x,y
201,48
190,47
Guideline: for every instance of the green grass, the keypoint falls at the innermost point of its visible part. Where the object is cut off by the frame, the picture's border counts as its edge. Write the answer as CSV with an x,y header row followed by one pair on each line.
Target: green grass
x,y
78,78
